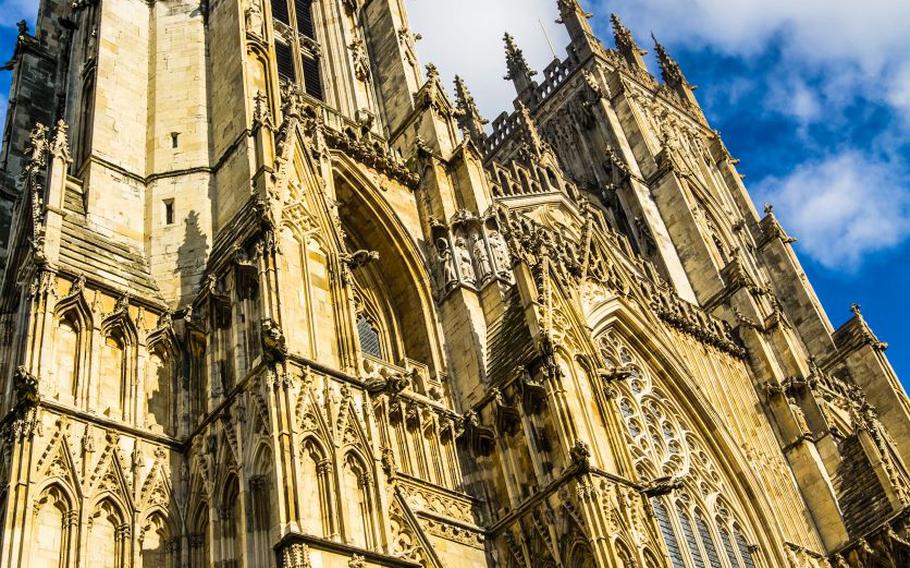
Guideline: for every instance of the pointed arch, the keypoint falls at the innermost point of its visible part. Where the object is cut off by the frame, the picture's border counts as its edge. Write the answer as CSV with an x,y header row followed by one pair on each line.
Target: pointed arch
x,y
159,393
72,338
231,523
158,540
107,542
117,372
199,539
263,515
707,435
53,526
317,489
371,224
358,502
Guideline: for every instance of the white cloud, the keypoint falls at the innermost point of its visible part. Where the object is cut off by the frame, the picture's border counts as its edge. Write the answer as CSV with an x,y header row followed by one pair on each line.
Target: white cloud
x,y
869,35
464,37
842,207
853,50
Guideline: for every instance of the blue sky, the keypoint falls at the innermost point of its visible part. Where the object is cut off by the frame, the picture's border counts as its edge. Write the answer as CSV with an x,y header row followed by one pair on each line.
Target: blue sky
x,y
813,96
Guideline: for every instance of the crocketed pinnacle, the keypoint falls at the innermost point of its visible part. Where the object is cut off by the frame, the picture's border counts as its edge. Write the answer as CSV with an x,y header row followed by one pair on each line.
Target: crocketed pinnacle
x,y
467,114
623,37
515,60
669,68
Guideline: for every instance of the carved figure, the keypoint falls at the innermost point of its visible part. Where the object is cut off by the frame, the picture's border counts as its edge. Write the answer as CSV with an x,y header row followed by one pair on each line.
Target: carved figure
x,y
465,263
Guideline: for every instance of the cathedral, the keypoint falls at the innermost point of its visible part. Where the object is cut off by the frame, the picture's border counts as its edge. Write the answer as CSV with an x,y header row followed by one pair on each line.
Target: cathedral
x,y
271,297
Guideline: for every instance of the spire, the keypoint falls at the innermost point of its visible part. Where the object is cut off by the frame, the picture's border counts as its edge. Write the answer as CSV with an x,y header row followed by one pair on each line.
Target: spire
x,y
520,72
468,115
575,18
625,44
672,74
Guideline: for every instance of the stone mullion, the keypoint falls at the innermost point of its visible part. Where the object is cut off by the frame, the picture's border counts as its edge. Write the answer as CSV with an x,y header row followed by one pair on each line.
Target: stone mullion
x,y
285,441
18,502
562,413
330,520
348,345
35,317
269,288
450,456
592,513
623,462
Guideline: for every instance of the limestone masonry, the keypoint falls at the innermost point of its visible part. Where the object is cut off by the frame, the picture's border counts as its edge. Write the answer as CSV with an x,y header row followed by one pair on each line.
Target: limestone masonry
x,y
271,298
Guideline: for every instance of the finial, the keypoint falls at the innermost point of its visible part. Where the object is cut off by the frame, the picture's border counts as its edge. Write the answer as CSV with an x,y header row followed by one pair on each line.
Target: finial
x,y
669,68
60,146
769,208
855,308
519,70
432,73
568,8
623,37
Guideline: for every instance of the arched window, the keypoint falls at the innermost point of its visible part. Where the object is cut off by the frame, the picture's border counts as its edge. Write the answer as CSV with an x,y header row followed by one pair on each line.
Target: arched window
x,y
707,541
664,443
159,382
66,358
367,331
154,542
357,502
199,538
231,525
316,490
745,551
691,541
112,376
262,504
667,532
51,529
107,537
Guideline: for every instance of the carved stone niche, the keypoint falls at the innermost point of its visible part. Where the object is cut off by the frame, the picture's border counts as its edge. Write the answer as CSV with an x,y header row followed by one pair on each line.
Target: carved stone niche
x,y
507,415
533,393
480,439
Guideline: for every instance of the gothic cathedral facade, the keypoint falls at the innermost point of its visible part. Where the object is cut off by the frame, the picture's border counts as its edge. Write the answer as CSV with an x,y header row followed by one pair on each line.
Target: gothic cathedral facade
x,y
272,298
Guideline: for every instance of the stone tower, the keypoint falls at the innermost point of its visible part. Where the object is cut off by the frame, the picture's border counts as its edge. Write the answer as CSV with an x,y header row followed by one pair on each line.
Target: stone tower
x,y
271,298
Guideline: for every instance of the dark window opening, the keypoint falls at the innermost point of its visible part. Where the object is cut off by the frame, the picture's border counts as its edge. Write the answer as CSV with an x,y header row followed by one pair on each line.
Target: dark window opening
x,y
369,337
285,62
311,77
304,9
168,211
174,139
280,11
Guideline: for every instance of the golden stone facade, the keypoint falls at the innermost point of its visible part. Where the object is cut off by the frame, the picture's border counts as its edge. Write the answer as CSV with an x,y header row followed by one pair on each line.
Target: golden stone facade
x,y
272,298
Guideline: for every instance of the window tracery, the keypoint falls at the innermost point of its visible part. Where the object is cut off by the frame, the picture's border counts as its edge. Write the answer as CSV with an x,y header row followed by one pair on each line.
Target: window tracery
x,y
663,444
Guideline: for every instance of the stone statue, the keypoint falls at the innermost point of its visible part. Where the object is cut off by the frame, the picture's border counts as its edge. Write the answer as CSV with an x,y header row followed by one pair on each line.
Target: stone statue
x,y
465,263
500,253
254,18
449,276
482,259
